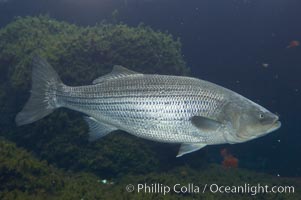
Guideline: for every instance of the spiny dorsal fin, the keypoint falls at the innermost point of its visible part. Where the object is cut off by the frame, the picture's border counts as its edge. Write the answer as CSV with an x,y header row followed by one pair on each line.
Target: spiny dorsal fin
x,y
117,72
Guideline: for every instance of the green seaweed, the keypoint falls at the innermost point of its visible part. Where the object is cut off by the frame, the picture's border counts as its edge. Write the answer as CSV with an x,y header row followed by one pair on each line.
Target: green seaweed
x,y
24,177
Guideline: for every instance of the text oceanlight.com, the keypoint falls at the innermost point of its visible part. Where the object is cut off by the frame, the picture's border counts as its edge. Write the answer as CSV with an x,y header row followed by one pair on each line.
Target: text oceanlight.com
x,y
191,188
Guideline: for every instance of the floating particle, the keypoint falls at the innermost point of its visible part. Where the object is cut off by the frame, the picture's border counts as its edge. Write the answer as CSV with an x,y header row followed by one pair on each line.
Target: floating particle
x,y
265,65
293,43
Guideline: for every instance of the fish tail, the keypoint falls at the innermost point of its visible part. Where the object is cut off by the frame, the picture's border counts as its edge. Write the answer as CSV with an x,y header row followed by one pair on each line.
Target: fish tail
x,y
42,101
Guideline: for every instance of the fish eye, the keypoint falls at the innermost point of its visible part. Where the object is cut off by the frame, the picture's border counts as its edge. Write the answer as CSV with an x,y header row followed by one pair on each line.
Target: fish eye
x,y
261,115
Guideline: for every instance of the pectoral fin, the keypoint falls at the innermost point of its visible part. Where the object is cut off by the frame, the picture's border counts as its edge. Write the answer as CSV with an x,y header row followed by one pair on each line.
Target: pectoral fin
x,y
205,124
189,147
98,129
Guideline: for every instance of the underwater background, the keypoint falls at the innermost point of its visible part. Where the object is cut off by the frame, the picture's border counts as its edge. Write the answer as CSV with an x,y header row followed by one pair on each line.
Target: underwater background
x,y
249,46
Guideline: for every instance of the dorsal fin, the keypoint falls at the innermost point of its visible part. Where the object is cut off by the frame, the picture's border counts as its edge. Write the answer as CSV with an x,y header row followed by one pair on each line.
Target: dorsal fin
x,y
117,72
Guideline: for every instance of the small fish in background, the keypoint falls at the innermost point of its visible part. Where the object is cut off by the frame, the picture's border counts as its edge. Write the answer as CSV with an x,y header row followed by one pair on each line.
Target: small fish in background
x,y
265,65
229,160
293,44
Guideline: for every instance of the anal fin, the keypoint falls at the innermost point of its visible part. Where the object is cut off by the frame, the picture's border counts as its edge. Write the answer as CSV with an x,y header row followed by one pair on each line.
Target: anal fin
x,y
98,129
189,147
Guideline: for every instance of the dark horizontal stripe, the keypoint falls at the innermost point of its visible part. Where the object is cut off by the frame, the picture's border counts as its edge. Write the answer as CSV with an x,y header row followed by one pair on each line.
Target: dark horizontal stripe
x,y
65,95
170,102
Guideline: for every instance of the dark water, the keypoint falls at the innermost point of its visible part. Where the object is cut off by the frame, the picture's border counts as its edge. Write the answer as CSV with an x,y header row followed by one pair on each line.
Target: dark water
x,y
239,44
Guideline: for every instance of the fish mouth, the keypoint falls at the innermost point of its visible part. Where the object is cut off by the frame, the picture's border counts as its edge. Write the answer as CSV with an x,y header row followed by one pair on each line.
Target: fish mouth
x,y
275,125
272,127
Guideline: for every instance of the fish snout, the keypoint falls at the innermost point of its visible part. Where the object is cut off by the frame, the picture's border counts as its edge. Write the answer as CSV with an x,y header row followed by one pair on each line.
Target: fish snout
x,y
276,118
275,122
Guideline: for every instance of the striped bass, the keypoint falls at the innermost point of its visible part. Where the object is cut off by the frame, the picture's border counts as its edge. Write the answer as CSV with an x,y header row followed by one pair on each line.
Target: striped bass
x,y
163,108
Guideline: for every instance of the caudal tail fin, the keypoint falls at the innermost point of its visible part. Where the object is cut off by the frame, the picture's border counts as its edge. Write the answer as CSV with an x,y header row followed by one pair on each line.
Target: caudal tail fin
x,y
42,101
